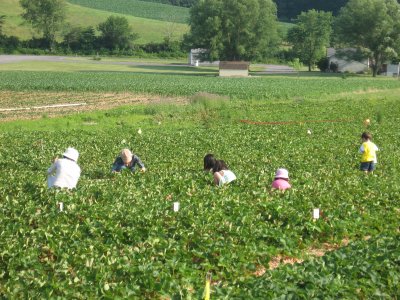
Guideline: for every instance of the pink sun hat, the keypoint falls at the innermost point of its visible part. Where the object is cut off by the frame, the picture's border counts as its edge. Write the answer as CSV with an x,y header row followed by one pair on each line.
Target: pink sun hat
x,y
282,173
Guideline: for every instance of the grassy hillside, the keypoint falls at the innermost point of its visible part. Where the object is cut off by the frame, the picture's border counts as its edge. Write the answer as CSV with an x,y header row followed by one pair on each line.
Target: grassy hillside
x,y
149,30
136,8
148,9
147,26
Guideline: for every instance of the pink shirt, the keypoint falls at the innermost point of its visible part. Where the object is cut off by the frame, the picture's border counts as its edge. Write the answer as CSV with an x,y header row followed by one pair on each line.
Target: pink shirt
x,y
281,184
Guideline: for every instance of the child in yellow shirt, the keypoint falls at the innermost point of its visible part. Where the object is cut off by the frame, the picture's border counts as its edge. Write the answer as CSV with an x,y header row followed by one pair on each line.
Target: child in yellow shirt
x,y
368,150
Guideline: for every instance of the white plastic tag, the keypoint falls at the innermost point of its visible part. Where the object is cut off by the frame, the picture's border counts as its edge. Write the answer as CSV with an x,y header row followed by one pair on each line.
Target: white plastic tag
x,y
316,213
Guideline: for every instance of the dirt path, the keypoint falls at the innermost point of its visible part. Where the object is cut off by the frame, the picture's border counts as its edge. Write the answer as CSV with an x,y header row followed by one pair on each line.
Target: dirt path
x,y
11,101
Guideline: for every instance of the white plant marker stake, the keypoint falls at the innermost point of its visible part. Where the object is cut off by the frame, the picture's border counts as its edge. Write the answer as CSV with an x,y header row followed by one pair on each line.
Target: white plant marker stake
x,y
316,213
61,206
176,206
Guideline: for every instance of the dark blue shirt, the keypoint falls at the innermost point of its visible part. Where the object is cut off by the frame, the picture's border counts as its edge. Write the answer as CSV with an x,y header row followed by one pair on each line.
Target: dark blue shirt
x,y
119,165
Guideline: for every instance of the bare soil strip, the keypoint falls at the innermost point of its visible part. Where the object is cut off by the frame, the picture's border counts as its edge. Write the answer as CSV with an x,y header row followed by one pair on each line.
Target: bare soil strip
x,y
279,260
17,105
42,107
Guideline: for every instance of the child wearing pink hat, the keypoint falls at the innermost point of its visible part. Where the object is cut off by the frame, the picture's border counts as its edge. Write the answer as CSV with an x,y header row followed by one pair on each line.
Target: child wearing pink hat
x,y
281,181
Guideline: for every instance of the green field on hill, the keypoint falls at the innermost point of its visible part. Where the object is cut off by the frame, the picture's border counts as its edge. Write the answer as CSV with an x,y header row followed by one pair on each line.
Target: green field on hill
x,y
137,8
149,30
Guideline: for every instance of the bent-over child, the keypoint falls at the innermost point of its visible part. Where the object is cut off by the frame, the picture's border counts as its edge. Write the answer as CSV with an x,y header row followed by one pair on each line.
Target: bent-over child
x,y
222,174
127,160
368,153
64,172
281,180
209,162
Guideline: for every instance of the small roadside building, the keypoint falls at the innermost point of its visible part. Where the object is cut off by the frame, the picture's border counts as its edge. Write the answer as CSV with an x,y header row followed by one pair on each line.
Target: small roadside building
x,y
338,57
234,69
391,70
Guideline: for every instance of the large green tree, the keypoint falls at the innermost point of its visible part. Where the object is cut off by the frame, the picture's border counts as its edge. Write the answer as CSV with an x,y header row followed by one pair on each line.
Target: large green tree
x,y
77,38
46,16
372,26
116,33
233,29
311,36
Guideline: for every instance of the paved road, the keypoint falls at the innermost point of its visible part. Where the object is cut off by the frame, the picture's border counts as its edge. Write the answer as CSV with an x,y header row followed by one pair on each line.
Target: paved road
x,y
5,59
277,69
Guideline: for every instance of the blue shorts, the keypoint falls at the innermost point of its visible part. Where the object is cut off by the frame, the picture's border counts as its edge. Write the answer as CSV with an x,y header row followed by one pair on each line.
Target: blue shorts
x,y
367,166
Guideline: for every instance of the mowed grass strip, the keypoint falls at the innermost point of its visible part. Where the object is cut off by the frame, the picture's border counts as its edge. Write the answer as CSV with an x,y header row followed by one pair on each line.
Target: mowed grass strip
x,y
73,64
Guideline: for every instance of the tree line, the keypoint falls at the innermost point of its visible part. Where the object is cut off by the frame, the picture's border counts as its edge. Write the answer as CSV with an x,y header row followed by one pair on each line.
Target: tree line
x,y
287,9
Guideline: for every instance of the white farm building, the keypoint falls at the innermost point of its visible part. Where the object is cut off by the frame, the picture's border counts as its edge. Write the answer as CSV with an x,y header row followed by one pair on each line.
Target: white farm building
x,y
345,65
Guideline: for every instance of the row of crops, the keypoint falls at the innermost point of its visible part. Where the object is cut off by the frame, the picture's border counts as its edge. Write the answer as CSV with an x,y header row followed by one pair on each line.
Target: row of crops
x,y
260,88
364,270
119,236
137,8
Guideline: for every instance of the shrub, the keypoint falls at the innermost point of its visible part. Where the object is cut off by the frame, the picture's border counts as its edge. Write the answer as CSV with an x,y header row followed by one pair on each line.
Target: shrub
x,y
323,64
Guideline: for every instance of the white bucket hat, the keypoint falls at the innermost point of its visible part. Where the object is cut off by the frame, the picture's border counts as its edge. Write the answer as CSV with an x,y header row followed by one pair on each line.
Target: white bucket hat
x,y
71,153
282,173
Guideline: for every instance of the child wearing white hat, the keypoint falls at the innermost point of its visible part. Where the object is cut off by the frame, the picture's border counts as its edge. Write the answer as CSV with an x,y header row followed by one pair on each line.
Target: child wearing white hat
x,y
127,160
281,181
64,172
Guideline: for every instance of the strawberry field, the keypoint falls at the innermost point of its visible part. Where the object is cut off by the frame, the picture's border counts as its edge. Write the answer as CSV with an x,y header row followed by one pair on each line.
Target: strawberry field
x,y
119,237
175,84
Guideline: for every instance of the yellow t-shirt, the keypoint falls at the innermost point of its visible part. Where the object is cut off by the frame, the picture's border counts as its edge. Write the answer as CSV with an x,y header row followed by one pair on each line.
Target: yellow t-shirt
x,y
368,150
